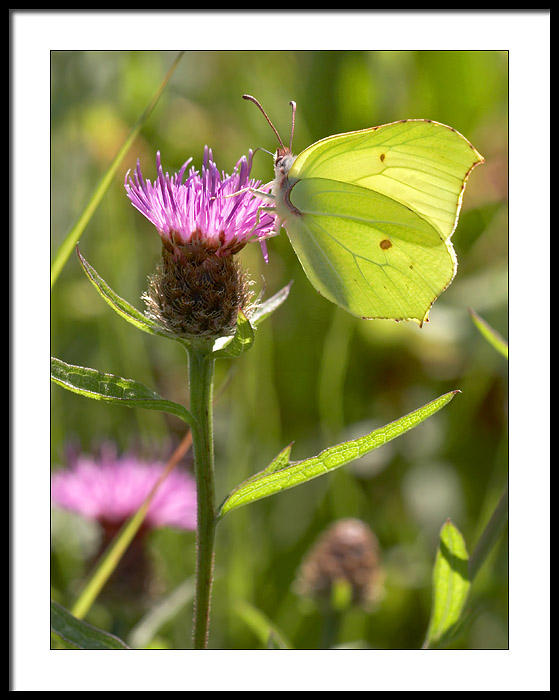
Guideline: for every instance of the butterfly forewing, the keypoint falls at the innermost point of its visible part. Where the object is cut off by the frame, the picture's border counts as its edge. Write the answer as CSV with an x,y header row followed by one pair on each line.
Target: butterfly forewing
x,y
420,164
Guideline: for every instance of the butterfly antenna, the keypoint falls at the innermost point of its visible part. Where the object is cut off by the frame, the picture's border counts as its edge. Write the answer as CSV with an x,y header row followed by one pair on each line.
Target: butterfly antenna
x,y
293,108
253,99
259,148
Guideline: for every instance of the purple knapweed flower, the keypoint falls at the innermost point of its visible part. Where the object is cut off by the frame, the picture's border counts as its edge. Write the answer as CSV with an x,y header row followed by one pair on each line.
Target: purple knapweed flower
x,y
201,210
111,489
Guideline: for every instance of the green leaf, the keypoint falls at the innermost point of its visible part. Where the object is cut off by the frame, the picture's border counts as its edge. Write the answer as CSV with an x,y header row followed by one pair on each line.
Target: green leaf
x,y
490,334
235,345
73,236
451,584
122,307
268,307
112,389
81,634
280,475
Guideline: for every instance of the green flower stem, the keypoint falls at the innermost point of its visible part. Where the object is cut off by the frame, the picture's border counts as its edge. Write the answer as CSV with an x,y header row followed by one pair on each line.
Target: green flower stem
x,y
201,368
331,623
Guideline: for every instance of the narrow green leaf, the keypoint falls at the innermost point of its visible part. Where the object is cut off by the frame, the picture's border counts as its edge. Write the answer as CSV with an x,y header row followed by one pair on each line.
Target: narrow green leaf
x,y
451,584
280,475
268,307
234,346
112,389
490,534
121,306
81,634
269,635
77,229
490,334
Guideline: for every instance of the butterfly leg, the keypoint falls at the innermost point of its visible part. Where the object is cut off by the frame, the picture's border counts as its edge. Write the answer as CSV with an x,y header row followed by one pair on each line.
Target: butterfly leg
x,y
255,192
266,210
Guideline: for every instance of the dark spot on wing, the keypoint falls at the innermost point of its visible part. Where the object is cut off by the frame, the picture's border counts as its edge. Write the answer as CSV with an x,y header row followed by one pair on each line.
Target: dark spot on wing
x,y
385,244
382,156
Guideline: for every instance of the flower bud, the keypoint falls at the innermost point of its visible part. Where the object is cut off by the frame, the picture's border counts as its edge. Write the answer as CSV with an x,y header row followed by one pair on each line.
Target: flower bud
x,y
345,558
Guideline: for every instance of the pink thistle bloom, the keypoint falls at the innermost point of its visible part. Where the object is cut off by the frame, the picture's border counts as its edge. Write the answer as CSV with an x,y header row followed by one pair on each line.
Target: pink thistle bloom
x,y
112,489
200,209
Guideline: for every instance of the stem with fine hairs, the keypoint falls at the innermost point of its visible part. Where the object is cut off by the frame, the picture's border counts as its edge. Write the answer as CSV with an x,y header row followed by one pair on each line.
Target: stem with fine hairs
x,y
201,369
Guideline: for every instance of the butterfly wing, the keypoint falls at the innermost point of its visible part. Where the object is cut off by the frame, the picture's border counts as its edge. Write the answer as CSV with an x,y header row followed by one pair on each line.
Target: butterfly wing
x,y
422,164
366,252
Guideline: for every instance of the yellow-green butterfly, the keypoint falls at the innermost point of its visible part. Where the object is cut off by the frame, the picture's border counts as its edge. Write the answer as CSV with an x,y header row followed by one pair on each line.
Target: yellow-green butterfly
x,y
370,213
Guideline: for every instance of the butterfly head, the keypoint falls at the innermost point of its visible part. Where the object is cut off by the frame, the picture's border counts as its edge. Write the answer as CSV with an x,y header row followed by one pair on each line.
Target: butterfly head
x,y
283,160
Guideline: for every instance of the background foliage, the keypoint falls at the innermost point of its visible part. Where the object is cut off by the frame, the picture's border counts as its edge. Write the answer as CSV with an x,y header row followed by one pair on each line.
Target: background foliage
x,y
315,375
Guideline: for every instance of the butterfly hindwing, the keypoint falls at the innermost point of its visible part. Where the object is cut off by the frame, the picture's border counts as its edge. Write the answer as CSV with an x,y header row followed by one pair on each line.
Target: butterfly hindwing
x,y
367,252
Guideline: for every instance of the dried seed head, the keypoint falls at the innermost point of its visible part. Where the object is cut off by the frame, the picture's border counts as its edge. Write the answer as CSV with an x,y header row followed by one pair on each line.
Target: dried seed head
x,y
196,293
347,552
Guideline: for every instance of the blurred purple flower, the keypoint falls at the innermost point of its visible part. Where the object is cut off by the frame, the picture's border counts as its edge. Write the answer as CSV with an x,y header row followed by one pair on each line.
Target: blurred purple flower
x,y
200,209
111,489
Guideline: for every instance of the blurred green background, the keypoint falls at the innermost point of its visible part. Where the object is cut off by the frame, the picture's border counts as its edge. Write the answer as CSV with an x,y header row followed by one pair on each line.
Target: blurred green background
x,y
315,375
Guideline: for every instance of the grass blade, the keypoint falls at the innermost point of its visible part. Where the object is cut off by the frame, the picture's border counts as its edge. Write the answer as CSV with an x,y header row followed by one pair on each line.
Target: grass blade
x,y
65,250
490,534
145,630
490,334
122,540
268,634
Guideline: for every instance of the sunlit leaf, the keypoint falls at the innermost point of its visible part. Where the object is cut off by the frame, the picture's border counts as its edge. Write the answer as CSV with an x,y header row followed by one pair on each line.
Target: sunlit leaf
x,y
112,389
80,634
266,308
451,584
235,345
280,475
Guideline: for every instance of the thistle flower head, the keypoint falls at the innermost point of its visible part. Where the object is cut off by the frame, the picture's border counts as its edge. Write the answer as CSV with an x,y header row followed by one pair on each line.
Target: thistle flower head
x,y
111,489
199,288
201,210
348,552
